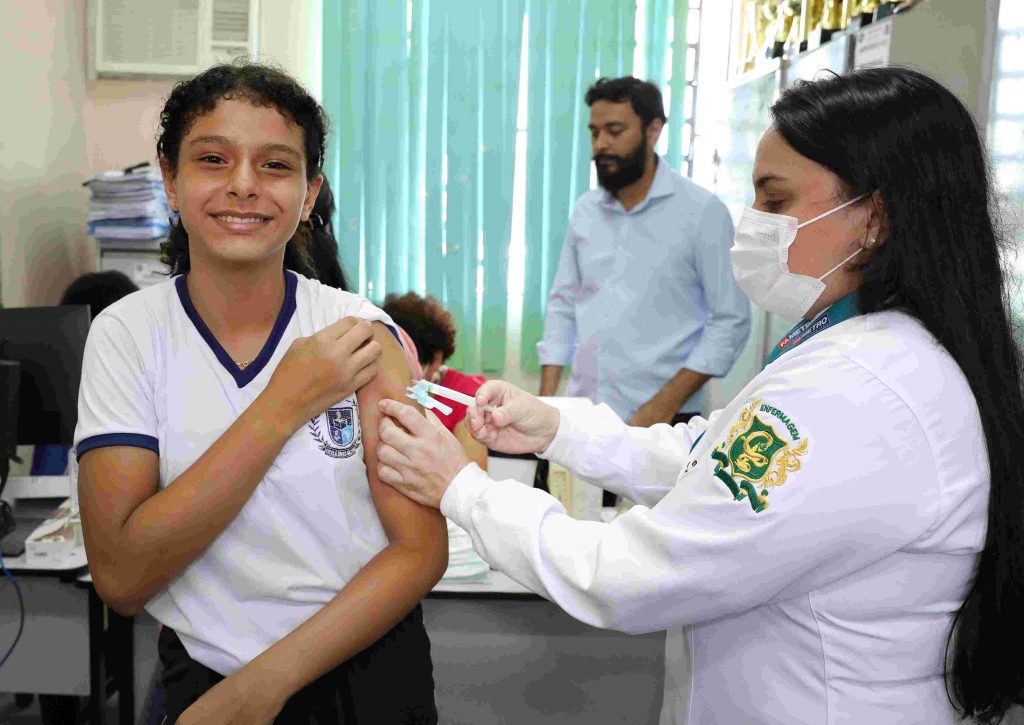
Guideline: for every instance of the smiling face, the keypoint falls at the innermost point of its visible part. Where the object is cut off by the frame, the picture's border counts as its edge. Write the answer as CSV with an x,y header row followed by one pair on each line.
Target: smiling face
x,y
240,185
787,183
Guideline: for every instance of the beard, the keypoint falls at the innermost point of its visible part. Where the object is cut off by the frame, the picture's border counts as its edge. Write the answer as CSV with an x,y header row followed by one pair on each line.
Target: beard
x,y
628,169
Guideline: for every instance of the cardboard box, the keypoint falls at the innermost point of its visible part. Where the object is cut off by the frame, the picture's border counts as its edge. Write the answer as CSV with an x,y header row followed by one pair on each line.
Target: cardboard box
x,y
581,499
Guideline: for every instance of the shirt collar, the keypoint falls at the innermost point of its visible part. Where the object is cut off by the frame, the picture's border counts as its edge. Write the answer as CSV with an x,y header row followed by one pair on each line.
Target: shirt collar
x,y
660,186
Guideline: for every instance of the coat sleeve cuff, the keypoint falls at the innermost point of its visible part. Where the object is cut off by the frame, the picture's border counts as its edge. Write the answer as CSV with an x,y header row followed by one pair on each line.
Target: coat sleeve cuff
x,y
468,485
570,443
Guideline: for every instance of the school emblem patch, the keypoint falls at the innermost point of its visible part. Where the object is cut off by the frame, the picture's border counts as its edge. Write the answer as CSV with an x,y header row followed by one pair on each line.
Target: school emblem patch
x,y
341,424
756,457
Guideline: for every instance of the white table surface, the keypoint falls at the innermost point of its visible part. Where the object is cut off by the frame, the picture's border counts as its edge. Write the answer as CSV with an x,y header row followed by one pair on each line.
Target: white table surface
x,y
493,583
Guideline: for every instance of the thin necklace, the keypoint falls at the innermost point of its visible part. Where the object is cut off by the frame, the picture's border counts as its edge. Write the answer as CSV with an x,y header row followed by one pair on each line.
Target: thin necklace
x,y
244,365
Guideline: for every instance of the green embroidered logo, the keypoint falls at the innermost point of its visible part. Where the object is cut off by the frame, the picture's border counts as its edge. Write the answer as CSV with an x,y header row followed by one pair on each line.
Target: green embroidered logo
x,y
756,456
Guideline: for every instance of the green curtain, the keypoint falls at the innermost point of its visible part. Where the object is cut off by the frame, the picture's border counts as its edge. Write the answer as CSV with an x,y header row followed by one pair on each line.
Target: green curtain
x,y
408,85
403,91
570,44
675,155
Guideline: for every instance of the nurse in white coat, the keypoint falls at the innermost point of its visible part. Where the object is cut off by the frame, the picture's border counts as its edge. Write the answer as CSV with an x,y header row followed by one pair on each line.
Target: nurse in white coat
x,y
820,538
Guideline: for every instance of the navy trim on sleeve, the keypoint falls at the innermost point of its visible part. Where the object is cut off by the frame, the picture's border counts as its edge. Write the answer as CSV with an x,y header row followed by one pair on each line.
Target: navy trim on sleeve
x,y
394,331
106,440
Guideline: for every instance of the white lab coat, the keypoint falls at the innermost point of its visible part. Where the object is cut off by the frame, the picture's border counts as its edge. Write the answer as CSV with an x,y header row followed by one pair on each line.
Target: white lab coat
x,y
828,598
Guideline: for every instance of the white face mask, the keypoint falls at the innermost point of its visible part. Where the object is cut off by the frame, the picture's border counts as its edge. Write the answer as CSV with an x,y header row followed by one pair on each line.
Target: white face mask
x,y
760,256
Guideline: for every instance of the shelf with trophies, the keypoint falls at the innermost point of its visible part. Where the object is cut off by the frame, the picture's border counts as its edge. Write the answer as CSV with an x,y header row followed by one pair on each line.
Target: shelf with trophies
x,y
951,40
767,29
776,43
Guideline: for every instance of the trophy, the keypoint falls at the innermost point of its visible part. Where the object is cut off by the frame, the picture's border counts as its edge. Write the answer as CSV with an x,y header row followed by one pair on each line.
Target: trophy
x,y
811,29
785,30
753,23
767,15
744,39
833,19
862,13
885,9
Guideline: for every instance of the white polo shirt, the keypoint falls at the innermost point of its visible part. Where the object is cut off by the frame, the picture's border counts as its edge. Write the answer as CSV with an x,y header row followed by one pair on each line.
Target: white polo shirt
x,y
813,539
154,376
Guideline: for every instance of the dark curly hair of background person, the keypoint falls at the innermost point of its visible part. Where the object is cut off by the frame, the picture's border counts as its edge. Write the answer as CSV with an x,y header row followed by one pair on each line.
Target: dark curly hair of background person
x,y
426,320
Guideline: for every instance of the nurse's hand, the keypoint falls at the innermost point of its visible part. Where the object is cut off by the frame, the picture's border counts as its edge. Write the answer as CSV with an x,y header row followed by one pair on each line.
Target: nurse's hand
x,y
520,423
319,370
417,455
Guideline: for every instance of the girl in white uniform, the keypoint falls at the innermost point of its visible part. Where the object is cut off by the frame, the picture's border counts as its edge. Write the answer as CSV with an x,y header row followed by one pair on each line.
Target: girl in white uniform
x,y
228,480
841,542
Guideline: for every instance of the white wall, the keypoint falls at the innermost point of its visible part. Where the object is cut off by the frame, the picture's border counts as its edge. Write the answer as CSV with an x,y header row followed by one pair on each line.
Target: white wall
x,y
121,119
291,36
42,149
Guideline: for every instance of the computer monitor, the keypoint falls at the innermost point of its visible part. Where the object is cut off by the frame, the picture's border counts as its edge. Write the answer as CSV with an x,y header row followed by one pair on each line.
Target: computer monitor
x,y
49,343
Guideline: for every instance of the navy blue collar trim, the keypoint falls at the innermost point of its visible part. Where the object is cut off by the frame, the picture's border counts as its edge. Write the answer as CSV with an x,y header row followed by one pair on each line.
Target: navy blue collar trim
x,y
242,377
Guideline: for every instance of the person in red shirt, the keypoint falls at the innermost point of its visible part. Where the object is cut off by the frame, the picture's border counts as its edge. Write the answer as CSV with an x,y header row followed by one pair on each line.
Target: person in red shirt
x,y
432,329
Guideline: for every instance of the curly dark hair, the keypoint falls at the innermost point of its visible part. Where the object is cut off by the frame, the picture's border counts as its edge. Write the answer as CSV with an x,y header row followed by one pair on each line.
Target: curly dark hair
x,y
260,85
426,320
643,96
322,246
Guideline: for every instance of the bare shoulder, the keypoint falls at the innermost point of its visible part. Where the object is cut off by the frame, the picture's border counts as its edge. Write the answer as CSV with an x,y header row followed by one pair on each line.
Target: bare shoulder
x,y
394,367
393,375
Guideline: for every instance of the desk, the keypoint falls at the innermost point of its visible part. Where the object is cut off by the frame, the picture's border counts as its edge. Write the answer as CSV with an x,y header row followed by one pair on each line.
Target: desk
x,y
72,643
505,655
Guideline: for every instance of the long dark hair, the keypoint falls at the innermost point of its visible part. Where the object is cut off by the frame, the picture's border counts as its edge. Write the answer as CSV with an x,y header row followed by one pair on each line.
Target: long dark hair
x,y
322,246
903,135
262,86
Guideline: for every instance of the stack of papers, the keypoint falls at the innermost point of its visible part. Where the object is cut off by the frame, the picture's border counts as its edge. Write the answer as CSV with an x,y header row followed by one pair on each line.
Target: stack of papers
x,y
58,535
128,205
463,561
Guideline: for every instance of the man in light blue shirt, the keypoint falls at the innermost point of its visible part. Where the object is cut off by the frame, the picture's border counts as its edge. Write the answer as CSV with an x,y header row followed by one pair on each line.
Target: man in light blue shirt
x,y
644,306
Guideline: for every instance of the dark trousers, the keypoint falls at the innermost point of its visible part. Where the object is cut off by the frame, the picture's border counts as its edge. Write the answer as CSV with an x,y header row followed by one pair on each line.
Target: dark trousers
x,y
391,682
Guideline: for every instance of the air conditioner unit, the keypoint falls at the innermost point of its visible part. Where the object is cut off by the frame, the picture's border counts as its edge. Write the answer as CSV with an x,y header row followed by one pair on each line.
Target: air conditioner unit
x,y
168,38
